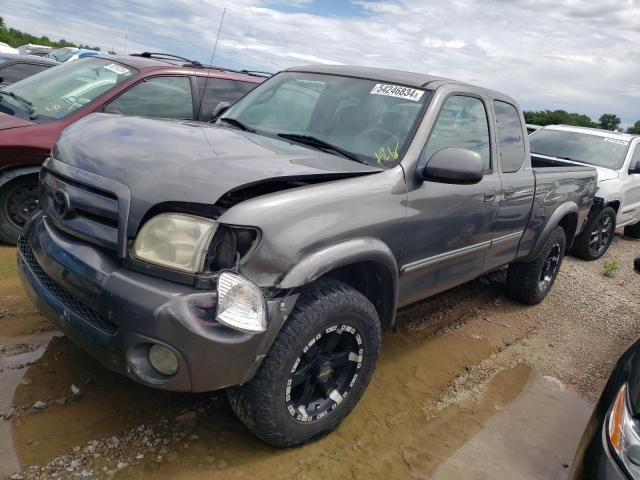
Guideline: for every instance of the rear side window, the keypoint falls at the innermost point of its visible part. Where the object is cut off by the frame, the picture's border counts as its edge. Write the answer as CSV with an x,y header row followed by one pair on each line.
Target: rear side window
x,y
510,137
218,90
462,123
18,71
158,97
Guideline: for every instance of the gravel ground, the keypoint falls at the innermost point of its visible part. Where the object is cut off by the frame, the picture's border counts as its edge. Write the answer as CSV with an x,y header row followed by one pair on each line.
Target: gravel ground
x,y
443,358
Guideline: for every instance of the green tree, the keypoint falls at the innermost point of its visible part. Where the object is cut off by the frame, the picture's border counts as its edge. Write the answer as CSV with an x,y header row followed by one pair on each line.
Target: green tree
x,y
558,117
15,38
635,129
609,121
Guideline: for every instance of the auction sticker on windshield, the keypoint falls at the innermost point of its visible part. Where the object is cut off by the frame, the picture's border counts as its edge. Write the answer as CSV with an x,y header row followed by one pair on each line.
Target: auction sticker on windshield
x,y
115,68
397,91
616,140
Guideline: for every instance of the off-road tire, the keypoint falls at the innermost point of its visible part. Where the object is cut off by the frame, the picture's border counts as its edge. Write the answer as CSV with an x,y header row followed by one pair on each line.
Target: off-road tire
x,y
581,248
632,231
524,278
261,403
9,231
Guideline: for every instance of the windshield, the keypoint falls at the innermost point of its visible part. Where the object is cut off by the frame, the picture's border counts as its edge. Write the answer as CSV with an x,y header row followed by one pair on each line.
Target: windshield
x,y
58,92
365,120
596,150
62,54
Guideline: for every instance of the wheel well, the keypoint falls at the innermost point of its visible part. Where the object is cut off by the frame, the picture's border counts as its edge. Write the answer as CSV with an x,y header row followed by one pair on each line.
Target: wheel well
x,y
375,282
569,223
9,178
615,205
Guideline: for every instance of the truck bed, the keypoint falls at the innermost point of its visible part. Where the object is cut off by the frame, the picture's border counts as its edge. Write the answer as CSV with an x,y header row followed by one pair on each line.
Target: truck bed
x,y
556,184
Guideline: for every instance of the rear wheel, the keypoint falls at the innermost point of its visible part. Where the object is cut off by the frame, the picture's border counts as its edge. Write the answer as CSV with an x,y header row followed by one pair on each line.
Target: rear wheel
x,y
529,282
597,235
18,200
317,369
632,231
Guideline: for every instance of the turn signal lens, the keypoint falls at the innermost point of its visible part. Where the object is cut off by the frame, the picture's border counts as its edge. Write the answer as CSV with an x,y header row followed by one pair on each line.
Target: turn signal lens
x,y
241,305
624,435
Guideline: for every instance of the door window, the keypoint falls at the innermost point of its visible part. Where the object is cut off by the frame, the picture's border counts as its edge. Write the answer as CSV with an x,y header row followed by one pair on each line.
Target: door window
x,y
221,90
635,160
510,137
462,123
18,71
160,97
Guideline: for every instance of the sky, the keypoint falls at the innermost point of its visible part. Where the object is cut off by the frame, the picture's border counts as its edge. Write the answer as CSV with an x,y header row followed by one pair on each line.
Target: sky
x,y
577,55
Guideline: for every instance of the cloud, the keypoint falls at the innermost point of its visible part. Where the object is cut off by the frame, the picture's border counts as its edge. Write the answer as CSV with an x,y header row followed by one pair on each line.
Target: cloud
x,y
567,54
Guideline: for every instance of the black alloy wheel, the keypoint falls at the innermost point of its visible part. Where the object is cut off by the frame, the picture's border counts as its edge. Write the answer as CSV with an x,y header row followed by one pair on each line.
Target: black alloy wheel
x,y
601,235
550,267
322,376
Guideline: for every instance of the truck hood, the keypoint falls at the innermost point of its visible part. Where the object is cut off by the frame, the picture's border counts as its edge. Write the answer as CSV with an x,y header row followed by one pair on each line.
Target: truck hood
x,y
11,121
169,161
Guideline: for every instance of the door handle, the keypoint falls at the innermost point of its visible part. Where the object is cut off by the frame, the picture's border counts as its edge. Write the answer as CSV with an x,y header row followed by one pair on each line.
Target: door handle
x,y
508,193
489,195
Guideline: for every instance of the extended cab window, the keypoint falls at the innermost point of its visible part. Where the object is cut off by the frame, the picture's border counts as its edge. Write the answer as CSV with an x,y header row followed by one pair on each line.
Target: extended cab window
x,y
510,137
218,90
160,97
462,123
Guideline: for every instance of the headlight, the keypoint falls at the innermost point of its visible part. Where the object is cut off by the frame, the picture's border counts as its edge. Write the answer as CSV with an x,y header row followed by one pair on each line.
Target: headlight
x,y
241,304
624,434
175,240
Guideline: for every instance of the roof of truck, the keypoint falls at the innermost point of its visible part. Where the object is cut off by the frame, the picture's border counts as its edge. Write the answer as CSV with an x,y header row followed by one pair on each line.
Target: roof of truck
x,y
410,79
593,131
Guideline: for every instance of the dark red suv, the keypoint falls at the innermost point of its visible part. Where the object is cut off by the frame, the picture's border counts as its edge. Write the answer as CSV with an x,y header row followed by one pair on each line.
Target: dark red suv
x,y
34,111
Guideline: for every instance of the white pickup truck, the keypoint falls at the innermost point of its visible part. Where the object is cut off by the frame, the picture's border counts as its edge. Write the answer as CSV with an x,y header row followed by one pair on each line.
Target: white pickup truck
x,y
617,159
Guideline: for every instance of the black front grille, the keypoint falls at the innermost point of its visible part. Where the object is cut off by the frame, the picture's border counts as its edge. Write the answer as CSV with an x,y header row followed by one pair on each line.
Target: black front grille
x,y
80,210
68,299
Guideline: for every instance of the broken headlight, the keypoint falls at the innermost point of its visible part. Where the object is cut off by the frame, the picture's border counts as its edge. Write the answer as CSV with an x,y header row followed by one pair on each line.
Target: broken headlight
x,y
175,240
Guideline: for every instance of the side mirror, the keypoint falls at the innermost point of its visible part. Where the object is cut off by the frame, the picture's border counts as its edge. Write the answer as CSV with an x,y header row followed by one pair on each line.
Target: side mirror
x,y
635,170
219,109
454,165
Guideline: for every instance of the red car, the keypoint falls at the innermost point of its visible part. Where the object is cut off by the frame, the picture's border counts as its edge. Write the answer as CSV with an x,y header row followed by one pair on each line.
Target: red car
x,y
34,111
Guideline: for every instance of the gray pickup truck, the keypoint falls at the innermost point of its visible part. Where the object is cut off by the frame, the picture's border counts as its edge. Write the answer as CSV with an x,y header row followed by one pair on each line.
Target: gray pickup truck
x,y
265,253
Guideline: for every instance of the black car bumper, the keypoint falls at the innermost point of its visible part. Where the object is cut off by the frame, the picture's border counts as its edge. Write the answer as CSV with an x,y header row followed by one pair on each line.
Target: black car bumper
x,y
115,314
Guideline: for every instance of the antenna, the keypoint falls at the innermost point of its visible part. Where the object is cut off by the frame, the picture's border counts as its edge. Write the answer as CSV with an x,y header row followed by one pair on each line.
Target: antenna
x,y
215,46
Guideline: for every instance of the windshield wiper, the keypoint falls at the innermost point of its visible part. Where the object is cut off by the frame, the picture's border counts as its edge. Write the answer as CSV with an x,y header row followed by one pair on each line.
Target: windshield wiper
x,y
237,123
316,142
22,100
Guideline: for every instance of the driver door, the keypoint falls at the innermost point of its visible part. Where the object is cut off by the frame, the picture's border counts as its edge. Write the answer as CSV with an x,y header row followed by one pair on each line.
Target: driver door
x,y
449,226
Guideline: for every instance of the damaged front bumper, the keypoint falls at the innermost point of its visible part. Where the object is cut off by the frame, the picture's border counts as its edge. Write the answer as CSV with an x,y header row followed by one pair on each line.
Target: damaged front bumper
x,y
116,315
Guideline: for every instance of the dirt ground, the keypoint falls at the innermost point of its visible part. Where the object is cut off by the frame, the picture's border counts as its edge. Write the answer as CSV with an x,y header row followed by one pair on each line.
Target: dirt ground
x,y
470,385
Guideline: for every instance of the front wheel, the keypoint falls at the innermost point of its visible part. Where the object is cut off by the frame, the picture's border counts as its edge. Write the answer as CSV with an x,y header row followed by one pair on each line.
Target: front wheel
x,y
18,200
597,235
317,369
529,282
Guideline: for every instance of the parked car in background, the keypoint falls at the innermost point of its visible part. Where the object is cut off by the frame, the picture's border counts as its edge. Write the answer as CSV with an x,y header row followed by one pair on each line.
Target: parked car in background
x,y
532,128
6,48
18,67
34,111
610,446
617,158
69,54
32,49
267,252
